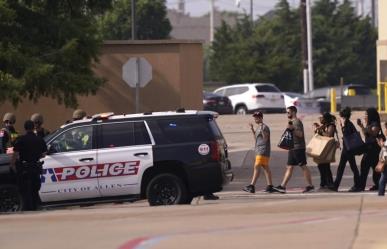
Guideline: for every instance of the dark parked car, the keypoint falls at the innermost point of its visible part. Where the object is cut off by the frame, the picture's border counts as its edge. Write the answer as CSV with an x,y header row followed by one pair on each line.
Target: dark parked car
x,y
217,103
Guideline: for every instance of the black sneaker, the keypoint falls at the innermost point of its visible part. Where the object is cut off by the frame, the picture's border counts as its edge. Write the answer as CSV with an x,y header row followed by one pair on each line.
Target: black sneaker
x,y
308,189
354,189
210,197
280,189
269,189
249,189
373,188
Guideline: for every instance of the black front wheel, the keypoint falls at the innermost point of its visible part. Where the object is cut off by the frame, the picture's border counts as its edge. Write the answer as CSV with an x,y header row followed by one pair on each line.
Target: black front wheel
x,y
10,198
166,189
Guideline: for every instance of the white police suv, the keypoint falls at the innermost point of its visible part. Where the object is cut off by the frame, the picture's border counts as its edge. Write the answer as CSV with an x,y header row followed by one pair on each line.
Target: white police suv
x,y
166,157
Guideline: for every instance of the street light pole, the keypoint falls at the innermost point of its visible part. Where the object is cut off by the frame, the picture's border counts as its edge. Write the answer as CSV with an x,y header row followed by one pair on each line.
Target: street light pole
x,y
212,10
304,44
310,44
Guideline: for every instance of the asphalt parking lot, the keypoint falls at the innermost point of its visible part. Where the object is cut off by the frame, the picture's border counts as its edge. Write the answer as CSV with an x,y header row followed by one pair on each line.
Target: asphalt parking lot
x,y
236,220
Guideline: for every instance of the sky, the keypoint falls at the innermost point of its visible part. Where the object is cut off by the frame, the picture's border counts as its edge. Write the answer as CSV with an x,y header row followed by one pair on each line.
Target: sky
x,y
260,7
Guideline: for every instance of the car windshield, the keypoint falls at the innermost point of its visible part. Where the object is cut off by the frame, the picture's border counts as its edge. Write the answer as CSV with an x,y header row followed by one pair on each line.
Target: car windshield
x,y
51,135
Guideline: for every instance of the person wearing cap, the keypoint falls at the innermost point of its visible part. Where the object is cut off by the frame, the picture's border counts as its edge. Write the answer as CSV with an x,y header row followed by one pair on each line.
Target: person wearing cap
x,y
28,150
39,130
8,134
262,153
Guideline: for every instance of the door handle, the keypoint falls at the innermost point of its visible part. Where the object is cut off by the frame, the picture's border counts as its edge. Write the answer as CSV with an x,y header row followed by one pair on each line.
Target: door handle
x,y
141,154
87,159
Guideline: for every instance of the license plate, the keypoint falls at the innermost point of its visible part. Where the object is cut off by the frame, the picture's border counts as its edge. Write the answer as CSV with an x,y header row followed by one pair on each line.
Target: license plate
x,y
221,102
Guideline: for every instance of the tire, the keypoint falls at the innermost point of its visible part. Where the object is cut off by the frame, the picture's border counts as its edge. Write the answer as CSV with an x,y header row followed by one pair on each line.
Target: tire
x,y
10,198
166,189
241,110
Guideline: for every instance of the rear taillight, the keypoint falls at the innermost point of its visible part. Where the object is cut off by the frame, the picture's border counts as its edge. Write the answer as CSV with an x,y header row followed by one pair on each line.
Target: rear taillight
x,y
215,151
258,96
209,101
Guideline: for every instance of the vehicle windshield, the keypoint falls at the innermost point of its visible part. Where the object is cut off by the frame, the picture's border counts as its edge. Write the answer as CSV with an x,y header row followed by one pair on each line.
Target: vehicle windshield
x,y
51,135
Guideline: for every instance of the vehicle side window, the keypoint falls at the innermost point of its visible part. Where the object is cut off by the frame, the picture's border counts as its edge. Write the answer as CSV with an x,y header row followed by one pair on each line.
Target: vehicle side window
x,y
241,90
229,92
141,135
76,139
116,135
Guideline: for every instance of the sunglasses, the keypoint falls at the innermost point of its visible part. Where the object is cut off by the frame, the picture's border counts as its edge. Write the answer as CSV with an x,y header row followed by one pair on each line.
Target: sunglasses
x,y
8,122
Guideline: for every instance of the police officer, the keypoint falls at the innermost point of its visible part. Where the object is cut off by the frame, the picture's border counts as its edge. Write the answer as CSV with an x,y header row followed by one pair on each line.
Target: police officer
x,y
8,133
79,114
39,130
28,150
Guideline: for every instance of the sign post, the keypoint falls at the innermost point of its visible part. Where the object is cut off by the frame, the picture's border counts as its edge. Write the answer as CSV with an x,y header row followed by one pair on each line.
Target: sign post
x,y
137,72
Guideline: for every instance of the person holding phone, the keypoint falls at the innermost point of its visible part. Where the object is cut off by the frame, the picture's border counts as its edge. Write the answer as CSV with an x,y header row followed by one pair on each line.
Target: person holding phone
x,y
347,128
326,128
372,132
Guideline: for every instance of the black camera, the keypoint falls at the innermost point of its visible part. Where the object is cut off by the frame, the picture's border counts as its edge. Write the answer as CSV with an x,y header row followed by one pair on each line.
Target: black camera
x,y
290,123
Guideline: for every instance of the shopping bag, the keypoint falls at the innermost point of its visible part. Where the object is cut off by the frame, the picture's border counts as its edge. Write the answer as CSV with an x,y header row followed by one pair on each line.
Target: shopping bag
x,y
286,141
354,143
329,155
320,146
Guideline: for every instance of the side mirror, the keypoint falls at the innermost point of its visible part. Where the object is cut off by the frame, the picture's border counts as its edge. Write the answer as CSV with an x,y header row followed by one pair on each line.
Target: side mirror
x,y
51,149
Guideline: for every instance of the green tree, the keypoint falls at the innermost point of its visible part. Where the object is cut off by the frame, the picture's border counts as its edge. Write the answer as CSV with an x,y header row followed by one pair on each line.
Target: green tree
x,y
151,20
344,46
47,48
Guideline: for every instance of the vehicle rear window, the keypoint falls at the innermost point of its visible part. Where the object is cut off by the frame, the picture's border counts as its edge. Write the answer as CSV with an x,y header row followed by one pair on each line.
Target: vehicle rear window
x,y
181,130
267,89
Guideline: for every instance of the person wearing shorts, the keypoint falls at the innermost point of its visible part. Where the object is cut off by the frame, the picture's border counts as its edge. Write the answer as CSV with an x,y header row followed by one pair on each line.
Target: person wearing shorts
x,y
297,155
262,153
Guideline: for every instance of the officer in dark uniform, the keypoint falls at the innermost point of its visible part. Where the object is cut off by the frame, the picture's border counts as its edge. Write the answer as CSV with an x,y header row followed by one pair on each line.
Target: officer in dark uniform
x,y
28,150
39,130
8,133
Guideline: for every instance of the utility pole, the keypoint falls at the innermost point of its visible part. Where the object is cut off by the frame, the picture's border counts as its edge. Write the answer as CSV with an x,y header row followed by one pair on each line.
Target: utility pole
x,y
304,44
373,13
310,43
133,19
212,10
251,12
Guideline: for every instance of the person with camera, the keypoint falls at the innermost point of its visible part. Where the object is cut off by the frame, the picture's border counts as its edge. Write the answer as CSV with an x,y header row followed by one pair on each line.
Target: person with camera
x,y
28,150
372,132
262,153
297,155
326,128
347,129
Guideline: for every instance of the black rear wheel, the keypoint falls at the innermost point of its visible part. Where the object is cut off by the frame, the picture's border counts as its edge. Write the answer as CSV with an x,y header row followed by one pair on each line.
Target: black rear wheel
x,y
166,189
10,198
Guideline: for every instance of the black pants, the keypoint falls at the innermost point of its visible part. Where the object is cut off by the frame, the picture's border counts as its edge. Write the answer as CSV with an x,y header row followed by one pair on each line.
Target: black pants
x,y
370,160
326,179
29,186
344,158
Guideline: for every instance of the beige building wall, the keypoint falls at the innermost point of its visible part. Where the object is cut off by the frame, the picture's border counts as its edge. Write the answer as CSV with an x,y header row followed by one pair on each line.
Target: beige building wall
x,y
382,42
177,82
